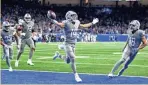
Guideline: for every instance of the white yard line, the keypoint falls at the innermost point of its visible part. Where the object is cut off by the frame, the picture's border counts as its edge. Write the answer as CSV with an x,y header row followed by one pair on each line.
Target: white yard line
x,y
93,64
84,57
47,57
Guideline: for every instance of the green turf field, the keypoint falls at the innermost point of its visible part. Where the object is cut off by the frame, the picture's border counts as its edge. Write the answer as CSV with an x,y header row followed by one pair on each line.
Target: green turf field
x,y
97,58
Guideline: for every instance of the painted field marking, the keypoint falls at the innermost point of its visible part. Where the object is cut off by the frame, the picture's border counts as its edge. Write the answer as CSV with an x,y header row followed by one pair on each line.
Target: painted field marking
x,y
71,72
85,57
47,57
62,62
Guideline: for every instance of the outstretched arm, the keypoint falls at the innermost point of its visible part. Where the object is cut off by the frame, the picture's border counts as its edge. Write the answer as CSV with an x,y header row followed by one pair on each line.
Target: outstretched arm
x,y
86,25
57,23
96,20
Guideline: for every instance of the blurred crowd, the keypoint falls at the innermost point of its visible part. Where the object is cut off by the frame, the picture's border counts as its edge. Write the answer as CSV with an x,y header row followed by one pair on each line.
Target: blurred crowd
x,y
112,19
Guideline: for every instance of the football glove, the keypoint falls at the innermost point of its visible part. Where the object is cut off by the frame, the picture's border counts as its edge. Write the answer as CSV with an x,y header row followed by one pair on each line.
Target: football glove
x,y
96,20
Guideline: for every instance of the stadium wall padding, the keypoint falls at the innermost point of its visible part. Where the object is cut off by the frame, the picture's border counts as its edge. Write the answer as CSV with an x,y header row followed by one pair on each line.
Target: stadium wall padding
x,y
113,37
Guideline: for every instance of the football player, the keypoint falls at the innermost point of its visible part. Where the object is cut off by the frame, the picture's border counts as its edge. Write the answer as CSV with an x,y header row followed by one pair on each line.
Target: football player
x,y
26,38
135,42
6,41
71,26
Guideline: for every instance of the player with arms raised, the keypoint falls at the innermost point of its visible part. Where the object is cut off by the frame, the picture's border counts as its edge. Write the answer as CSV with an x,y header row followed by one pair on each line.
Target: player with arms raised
x,y
70,26
26,38
136,41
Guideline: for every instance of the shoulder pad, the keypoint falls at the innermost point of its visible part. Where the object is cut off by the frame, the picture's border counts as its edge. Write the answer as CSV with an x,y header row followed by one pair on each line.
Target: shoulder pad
x,y
141,32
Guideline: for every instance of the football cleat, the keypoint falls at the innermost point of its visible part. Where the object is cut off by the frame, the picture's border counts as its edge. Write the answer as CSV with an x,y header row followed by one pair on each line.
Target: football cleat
x,y
10,69
57,55
16,63
77,78
29,62
110,75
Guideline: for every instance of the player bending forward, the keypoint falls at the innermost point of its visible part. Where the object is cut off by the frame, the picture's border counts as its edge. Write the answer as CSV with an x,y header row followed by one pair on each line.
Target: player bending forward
x,y
7,34
136,41
26,38
70,26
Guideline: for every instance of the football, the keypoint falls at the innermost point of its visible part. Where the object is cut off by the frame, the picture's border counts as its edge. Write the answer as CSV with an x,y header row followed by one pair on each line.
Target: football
x,y
51,14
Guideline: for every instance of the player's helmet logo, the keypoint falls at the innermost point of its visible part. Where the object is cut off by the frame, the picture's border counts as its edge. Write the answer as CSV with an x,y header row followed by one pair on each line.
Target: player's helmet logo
x,y
134,25
71,15
27,17
6,25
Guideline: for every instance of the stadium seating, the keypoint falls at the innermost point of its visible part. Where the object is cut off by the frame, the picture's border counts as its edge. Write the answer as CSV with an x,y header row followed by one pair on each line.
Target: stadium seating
x,y
113,20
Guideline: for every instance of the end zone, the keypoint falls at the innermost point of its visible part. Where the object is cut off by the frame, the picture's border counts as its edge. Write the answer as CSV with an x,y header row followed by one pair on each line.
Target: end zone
x,y
49,77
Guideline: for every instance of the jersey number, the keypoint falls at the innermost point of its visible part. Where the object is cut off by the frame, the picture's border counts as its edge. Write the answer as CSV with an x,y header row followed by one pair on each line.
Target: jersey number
x,y
132,41
29,28
8,38
73,33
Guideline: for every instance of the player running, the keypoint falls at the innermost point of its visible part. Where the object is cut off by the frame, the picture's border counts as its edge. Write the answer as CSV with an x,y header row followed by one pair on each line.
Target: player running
x,y
70,26
7,34
26,38
136,41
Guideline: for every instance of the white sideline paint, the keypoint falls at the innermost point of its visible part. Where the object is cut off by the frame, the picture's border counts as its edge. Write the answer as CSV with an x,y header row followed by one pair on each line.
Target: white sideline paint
x,y
71,72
